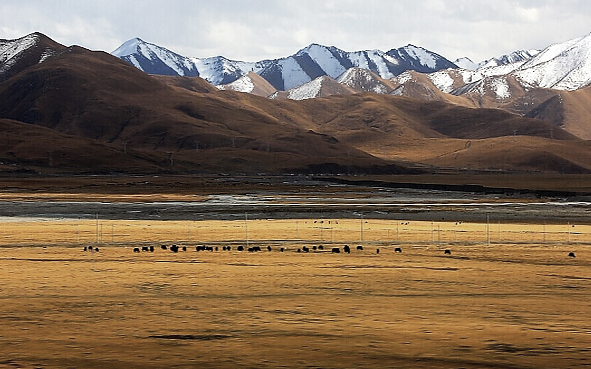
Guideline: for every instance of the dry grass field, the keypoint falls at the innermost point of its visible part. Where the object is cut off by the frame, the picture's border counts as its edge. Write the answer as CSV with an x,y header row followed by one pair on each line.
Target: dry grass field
x,y
508,296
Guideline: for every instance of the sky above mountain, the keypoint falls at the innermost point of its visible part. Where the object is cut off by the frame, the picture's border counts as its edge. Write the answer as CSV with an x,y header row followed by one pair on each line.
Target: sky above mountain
x,y
252,30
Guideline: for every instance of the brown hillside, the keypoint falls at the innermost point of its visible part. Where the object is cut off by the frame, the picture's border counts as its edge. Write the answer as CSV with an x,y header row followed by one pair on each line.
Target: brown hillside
x,y
31,148
389,117
420,87
505,153
577,110
441,135
193,84
568,110
96,96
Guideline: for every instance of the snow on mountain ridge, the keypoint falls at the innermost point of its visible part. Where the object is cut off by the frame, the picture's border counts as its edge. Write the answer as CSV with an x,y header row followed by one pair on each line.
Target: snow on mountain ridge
x,y
325,58
292,73
377,57
242,84
285,73
422,55
155,59
363,80
11,50
217,70
560,66
127,48
512,58
308,90
466,63
442,80
564,66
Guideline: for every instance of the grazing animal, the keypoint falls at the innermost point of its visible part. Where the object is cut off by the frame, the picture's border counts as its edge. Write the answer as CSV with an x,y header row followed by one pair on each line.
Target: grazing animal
x,y
163,247
347,249
572,255
136,249
336,250
447,252
359,247
398,249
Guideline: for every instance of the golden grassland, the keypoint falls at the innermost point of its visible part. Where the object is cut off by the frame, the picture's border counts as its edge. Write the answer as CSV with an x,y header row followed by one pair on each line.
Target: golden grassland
x,y
508,296
73,232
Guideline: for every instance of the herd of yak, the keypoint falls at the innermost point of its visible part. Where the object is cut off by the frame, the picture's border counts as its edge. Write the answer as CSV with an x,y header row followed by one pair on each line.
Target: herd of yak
x,y
334,250
176,249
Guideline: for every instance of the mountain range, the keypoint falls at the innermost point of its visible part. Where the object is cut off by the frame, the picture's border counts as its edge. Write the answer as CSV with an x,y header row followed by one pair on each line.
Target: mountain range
x,y
564,66
285,73
66,109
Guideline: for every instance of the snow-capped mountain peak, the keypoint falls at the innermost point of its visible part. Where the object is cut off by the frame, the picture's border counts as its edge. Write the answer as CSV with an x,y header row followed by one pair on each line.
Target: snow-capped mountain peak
x,y
519,56
285,73
155,59
564,66
10,50
129,47
561,66
466,63
419,59
31,49
424,56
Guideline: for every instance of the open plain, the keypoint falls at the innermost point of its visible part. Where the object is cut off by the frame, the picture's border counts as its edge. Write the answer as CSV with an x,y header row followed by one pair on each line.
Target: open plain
x,y
507,295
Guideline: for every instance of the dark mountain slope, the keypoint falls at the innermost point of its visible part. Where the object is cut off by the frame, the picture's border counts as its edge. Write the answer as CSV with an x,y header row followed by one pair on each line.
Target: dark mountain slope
x,y
35,149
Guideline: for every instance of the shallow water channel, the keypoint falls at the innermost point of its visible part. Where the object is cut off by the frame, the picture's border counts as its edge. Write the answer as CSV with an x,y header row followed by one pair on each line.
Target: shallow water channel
x,y
381,204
